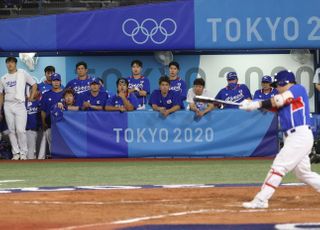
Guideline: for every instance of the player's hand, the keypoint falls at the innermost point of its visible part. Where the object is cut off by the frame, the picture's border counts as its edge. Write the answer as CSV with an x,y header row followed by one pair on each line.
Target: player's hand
x,y
122,94
164,112
60,106
86,105
44,126
249,105
199,113
122,109
31,99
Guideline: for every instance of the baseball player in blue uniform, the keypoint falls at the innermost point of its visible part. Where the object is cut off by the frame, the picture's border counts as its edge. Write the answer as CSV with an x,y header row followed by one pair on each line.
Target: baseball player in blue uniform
x,y
80,84
33,125
164,100
176,83
46,85
68,103
139,84
266,91
48,100
233,92
123,100
94,99
293,109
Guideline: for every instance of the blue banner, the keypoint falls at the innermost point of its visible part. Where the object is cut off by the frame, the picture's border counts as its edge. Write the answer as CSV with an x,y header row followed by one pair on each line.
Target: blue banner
x,y
230,133
177,25
234,24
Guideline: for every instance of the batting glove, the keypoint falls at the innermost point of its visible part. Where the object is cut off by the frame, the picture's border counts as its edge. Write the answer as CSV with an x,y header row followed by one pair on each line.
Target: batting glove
x,y
249,105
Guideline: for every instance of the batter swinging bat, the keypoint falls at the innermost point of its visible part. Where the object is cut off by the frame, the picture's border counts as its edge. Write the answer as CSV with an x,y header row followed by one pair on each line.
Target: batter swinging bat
x,y
211,99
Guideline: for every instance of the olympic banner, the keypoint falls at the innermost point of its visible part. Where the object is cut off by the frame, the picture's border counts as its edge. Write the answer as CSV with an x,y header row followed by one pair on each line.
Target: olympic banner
x,y
233,24
221,133
176,25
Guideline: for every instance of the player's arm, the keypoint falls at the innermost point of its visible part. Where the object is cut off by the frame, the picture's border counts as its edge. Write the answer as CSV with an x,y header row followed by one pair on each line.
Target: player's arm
x,y
193,107
96,107
1,105
113,108
277,101
317,86
155,107
209,108
34,88
173,109
73,108
43,120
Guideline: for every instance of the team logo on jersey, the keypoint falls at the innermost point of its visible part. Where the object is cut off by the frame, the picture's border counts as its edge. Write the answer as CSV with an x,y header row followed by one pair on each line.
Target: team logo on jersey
x,y
176,87
11,83
169,101
157,32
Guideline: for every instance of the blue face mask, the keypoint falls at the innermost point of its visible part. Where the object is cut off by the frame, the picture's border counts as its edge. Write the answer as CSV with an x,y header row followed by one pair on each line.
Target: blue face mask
x,y
232,85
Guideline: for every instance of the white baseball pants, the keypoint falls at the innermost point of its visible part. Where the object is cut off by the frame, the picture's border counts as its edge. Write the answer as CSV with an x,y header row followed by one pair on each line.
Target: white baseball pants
x,y
32,143
16,118
293,156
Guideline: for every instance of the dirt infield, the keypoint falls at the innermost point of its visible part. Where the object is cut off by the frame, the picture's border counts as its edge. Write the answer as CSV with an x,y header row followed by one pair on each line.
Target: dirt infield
x,y
116,209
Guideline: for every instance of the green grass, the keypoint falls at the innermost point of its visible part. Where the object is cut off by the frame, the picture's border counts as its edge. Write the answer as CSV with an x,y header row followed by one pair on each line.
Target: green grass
x,y
36,174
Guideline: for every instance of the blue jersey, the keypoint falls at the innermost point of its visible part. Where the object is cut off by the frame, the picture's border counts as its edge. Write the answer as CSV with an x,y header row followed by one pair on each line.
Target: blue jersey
x,y
44,87
142,84
179,85
172,99
34,117
260,95
237,94
296,113
117,101
80,86
48,100
99,100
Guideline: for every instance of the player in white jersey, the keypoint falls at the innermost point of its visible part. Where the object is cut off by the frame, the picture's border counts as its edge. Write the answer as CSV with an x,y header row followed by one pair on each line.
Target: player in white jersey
x,y
292,103
12,97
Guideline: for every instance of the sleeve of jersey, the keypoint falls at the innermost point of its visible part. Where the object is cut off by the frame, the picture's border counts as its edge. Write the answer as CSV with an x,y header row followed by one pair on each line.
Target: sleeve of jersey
x,y
316,77
247,93
183,90
43,103
29,78
1,87
69,84
176,99
255,96
146,85
152,99
190,96
218,96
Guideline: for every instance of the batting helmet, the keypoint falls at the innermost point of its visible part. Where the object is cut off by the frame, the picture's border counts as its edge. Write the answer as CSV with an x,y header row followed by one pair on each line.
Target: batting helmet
x,y
283,77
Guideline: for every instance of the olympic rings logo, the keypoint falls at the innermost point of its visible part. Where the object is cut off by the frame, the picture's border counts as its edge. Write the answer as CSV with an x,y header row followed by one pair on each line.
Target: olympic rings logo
x,y
149,29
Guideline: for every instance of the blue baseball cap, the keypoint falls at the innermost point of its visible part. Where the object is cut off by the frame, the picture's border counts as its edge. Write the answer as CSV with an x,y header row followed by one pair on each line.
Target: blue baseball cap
x,y
266,79
232,76
55,77
283,77
95,81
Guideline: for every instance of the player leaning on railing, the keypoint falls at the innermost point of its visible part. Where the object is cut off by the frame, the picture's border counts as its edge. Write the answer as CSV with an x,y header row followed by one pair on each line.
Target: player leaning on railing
x,y
292,104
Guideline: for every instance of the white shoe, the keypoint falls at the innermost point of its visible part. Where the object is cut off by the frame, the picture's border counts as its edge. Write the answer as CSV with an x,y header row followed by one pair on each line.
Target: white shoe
x,y
15,157
23,157
255,203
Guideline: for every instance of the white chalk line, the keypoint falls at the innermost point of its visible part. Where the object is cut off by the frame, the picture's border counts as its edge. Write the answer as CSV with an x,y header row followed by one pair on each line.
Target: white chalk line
x,y
200,211
9,181
44,202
